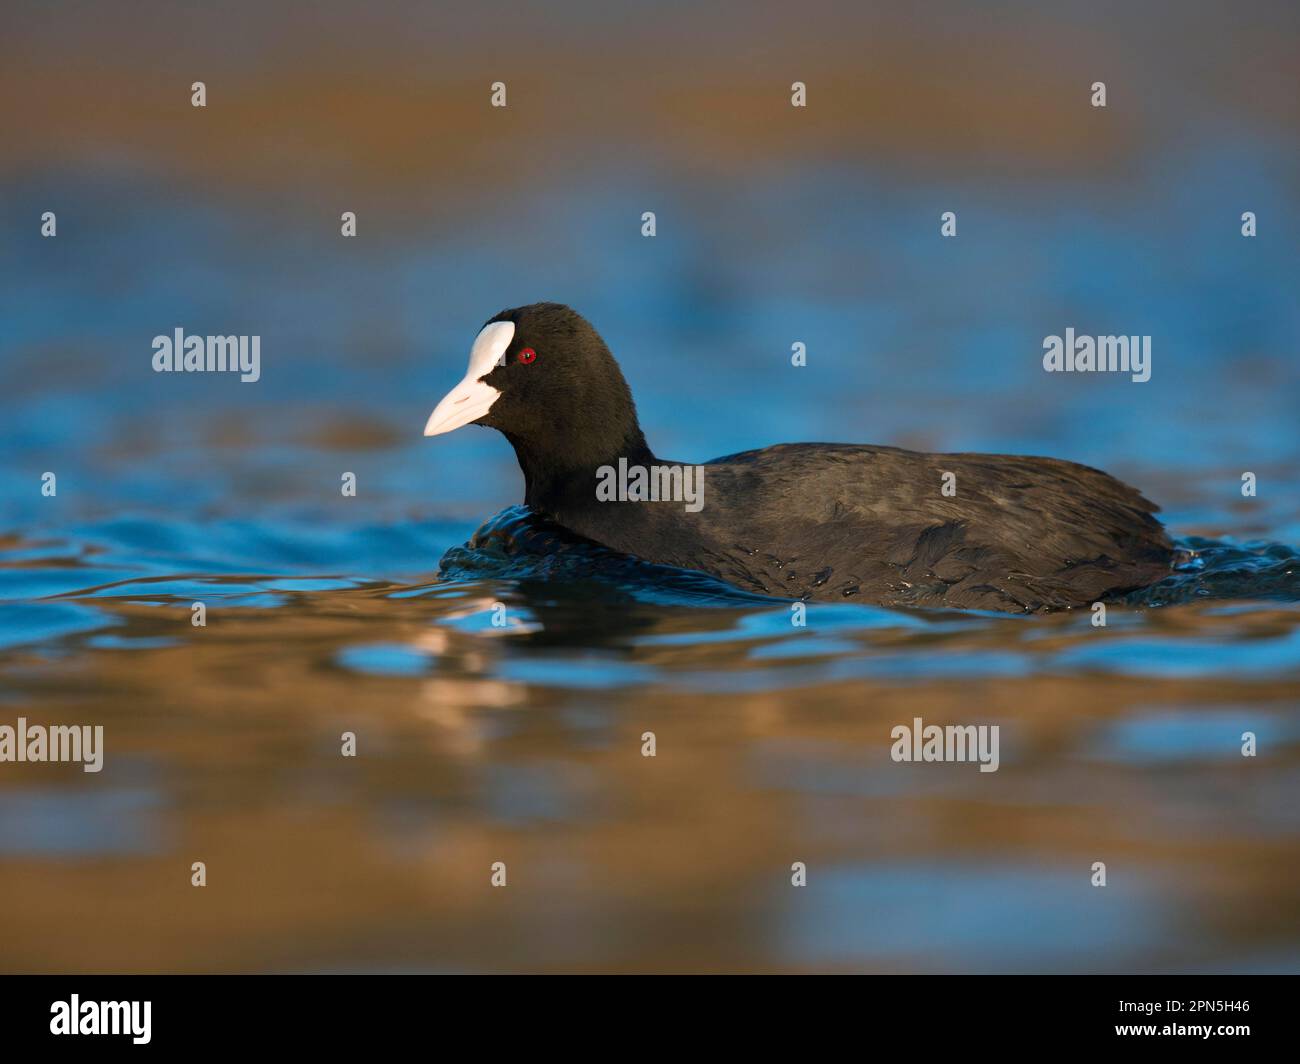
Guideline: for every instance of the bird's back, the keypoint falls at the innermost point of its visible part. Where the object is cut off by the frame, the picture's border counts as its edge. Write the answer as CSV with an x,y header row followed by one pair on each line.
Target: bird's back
x,y
882,524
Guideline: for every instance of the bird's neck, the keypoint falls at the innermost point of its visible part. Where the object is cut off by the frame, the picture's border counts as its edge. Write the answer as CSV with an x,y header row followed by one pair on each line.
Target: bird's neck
x,y
560,481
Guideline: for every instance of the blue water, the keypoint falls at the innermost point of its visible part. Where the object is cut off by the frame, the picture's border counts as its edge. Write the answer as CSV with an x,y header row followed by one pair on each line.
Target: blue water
x,y
521,740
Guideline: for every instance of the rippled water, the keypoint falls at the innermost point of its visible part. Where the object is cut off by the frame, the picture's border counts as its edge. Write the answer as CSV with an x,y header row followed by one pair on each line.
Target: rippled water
x,y
521,742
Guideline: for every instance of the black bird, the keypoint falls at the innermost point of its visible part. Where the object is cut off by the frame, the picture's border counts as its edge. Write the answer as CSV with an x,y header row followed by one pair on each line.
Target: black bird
x,y
821,521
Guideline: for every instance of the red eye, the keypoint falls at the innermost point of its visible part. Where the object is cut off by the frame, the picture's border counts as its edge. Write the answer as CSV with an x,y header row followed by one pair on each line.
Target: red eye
x,y
527,355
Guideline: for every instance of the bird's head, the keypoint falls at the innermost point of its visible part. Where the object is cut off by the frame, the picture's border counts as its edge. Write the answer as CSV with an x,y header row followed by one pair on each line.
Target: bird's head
x,y
543,377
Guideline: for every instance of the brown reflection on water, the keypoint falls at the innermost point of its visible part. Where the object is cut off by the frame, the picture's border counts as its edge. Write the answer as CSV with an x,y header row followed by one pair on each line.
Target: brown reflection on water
x,y
229,741
394,101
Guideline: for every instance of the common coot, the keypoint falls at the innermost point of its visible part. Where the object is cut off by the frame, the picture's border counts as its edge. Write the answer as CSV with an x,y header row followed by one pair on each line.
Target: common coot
x,y
819,521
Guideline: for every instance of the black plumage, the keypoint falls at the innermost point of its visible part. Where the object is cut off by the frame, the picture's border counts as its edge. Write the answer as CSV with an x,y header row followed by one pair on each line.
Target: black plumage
x,y
820,521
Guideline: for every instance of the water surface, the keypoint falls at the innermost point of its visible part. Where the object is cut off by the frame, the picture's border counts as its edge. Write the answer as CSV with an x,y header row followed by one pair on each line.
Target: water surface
x,y
520,741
